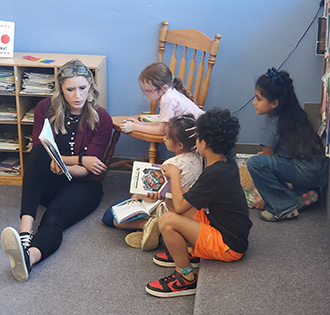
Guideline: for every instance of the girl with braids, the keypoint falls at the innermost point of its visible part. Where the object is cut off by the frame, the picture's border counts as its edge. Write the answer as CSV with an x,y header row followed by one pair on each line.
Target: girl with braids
x,y
158,83
180,138
82,131
292,151
212,216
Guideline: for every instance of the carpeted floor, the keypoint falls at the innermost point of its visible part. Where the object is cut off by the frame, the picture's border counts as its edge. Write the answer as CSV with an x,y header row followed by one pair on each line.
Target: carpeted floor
x,y
93,272
286,269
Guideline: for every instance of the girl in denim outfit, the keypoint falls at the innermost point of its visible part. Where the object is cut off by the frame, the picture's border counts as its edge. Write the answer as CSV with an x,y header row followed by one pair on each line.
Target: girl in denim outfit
x,y
292,168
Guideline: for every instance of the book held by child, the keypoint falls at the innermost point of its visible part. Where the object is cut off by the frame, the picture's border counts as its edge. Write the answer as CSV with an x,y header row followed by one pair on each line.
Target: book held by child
x,y
148,178
250,191
132,209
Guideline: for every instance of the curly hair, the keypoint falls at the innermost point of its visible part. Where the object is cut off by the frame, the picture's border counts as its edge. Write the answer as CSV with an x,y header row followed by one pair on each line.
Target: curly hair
x,y
182,129
219,129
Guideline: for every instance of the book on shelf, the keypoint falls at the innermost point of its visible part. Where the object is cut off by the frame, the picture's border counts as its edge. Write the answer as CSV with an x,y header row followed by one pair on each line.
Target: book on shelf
x,y
149,117
251,193
7,81
132,209
47,139
37,83
29,115
10,166
147,178
8,112
9,141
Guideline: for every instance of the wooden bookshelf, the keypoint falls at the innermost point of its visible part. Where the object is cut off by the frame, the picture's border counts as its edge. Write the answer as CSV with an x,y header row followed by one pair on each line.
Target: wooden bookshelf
x,y
24,102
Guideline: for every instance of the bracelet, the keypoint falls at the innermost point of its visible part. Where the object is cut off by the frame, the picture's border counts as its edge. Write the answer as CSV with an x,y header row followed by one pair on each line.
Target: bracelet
x,y
133,124
80,160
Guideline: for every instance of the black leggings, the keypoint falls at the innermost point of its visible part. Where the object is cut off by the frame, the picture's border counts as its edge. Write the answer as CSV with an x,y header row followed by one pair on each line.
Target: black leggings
x,y
67,201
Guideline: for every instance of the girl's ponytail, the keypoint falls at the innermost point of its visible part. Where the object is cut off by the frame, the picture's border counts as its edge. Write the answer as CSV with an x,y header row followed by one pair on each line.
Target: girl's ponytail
x,y
178,85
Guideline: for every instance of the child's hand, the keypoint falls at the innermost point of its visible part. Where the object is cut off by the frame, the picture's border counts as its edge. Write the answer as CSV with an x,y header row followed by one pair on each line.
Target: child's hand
x,y
153,197
259,205
128,125
170,170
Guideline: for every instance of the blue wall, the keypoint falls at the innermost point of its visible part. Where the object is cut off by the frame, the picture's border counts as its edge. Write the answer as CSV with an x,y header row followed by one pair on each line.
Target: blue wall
x,y
256,34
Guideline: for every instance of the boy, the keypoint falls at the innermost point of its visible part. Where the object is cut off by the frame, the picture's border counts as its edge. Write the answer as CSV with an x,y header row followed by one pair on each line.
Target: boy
x,y
212,216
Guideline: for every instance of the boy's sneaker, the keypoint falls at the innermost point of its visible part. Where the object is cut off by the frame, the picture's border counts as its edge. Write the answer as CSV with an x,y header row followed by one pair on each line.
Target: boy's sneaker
x,y
26,238
165,260
173,285
267,216
151,234
18,254
134,239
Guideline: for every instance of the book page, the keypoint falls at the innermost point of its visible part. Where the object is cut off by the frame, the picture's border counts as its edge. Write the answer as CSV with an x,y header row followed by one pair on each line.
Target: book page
x,y
47,139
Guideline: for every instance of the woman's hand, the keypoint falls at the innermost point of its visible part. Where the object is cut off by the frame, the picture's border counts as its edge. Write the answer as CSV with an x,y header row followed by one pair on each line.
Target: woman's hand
x,y
170,170
55,168
94,164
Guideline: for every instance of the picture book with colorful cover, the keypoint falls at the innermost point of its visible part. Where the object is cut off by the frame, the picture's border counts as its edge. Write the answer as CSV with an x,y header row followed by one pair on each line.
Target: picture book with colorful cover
x,y
250,191
132,209
147,178
47,139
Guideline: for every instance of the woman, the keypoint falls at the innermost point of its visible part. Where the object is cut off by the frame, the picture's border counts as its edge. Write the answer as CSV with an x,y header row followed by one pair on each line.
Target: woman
x,y
82,131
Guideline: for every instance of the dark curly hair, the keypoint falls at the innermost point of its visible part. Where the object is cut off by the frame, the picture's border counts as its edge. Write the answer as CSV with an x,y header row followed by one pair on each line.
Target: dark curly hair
x,y
183,129
218,129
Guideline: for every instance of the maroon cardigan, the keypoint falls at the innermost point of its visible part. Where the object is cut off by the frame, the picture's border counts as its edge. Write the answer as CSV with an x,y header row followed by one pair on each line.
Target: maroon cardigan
x,y
87,141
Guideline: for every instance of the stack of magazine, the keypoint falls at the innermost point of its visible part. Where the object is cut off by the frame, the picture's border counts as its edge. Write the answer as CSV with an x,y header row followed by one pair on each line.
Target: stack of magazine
x,y
9,141
7,82
29,116
9,166
37,83
8,112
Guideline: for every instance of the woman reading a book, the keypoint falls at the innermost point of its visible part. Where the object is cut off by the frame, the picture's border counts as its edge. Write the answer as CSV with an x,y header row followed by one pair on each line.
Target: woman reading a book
x,y
82,131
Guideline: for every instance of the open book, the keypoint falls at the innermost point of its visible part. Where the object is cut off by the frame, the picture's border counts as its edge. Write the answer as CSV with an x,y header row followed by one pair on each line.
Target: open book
x,y
132,209
47,139
147,178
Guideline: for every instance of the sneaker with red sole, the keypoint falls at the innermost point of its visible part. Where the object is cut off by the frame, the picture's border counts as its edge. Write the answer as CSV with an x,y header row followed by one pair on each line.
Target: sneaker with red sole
x,y
164,259
171,286
306,199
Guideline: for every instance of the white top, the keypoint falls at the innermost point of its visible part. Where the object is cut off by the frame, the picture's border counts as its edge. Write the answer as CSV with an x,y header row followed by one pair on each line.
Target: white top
x,y
191,166
173,103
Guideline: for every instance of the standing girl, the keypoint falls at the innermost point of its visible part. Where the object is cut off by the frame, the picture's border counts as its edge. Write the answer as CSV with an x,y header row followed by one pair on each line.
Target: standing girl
x,y
180,138
158,83
82,132
292,151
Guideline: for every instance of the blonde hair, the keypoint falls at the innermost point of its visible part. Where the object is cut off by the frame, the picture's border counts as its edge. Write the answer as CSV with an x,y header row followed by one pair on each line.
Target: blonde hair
x,y
59,110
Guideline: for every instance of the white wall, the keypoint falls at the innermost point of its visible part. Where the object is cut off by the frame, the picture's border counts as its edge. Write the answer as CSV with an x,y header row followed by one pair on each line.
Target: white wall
x,y
256,34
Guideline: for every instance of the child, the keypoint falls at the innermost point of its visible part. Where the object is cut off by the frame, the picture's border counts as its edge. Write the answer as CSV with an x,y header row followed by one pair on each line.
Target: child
x,y
158,83
180,138
292,151
213,216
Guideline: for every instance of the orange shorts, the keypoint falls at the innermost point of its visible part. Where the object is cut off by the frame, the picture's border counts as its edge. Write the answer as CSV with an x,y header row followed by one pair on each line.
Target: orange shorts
x,y
209,243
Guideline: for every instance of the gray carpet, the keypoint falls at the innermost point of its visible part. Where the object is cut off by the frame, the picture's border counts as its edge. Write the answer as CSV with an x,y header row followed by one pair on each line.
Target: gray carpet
x,y
93,272
285,271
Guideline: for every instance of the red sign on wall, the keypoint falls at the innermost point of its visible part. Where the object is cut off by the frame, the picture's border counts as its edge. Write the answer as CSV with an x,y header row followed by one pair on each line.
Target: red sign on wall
x,y
7,30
